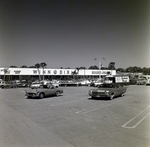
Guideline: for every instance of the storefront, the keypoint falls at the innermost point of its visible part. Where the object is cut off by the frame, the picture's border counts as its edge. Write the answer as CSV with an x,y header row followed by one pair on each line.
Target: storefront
x,y
34,73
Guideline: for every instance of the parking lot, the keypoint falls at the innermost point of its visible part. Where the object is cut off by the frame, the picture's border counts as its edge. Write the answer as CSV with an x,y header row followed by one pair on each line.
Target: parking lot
x,y
75,120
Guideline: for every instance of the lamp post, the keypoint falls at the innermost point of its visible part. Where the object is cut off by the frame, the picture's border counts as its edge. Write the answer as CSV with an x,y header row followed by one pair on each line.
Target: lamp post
x,y
99,64
99,69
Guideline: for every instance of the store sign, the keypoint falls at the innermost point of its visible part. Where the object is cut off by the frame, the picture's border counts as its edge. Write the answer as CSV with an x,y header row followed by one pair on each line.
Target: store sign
x,y
105,72
34,71
17,71
53,72
122,79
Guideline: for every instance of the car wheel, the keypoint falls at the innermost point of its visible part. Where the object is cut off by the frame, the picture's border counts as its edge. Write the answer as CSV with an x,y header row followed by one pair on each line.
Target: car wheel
x,y
57,93
112,96
41,95
122,94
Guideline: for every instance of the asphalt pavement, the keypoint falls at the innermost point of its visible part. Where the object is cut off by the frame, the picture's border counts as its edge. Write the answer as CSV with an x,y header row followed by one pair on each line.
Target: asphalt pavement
x,y
74,119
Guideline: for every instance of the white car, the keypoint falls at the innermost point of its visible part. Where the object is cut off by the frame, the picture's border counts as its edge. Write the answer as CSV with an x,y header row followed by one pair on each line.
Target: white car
x,y
148,82
85,83
55,83
97,83
35,85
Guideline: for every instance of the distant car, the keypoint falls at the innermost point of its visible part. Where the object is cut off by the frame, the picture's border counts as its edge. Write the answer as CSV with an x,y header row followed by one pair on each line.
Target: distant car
x,y
8,84
43,91
35,85
141,81
69,83
55,83
108,90
148,82
97,83
85,83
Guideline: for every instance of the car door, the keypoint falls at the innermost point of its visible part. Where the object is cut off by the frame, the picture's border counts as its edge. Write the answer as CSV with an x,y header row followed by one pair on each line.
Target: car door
x,y
51,91
121,89
117,90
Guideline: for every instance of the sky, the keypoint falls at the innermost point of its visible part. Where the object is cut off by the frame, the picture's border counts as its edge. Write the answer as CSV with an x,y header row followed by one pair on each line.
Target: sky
x,y
71,33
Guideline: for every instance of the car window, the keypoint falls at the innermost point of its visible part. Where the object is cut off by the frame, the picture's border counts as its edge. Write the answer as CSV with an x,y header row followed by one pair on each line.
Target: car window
x,y
107,86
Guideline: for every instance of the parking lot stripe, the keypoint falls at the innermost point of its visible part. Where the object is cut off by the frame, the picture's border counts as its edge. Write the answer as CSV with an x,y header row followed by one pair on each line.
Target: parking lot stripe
x,y
99,106
137,119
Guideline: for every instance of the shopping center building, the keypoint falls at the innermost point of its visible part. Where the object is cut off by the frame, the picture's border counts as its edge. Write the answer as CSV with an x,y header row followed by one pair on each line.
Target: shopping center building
x,y
33,73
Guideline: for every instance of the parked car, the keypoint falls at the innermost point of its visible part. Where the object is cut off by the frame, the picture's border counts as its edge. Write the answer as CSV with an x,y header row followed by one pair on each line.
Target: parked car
x,y
85,83
141,81
148,82
108,90
35,85
43,91
69,83
98,83
22,83
55,83
8,84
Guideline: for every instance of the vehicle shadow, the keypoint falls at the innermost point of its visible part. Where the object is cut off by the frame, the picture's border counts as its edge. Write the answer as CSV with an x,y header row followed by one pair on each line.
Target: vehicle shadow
x,y
99,98
38,98
103,98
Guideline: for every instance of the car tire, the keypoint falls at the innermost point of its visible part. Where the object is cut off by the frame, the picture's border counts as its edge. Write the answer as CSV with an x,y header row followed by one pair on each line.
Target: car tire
x,y
112,96
42,95
57,93
122,94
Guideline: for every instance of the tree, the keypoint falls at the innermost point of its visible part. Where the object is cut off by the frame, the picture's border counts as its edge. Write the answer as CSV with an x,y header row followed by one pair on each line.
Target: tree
x,y
32,67
93,67
145,71
5,71
24,66
75,72
37,65
12,66
120,70
111,66
43,65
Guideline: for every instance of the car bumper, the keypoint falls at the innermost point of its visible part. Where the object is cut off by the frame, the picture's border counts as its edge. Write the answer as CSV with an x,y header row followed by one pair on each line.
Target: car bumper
x,y
32,95
99,94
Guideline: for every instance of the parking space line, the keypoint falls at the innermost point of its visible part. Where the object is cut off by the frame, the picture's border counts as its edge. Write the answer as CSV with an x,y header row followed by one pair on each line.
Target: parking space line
x,y
137,119
99,106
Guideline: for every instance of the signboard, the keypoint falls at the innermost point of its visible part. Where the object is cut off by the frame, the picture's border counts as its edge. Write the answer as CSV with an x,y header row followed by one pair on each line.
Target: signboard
x,y
35,71
122,79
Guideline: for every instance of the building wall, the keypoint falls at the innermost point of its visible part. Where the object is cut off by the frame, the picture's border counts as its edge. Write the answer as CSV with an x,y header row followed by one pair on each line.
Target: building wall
x,y
34,71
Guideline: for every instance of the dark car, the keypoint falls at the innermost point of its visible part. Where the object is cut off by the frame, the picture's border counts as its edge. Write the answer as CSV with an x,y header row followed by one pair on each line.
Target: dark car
x,y
8,84
108,90
43,91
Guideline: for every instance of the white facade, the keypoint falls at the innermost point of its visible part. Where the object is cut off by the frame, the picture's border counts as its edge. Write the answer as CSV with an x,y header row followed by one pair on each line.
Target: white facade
x,y
51,72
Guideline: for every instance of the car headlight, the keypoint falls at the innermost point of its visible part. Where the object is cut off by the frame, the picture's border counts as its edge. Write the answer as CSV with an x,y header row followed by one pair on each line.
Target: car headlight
x,y
107,92
90,92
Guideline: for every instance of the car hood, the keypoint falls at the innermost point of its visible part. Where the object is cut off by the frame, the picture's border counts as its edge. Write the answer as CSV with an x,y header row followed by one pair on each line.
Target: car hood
x,y
102,89
33,90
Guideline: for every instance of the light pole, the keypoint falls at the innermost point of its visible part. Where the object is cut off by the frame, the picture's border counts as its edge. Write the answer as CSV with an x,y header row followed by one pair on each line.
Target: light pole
x,y
99,64
99,69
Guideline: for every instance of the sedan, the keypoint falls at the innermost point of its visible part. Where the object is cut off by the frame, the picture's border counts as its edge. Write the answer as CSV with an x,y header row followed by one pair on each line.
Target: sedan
x,y
43,91
108,90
